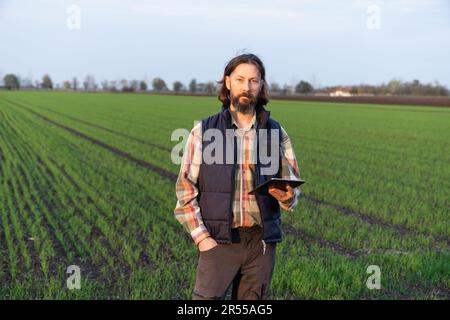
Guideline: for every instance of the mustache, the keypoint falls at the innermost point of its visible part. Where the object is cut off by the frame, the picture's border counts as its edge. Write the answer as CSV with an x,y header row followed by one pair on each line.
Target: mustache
x,y
247,95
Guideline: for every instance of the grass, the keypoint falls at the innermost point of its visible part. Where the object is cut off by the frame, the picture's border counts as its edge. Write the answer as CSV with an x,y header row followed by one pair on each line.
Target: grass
x,y
377,194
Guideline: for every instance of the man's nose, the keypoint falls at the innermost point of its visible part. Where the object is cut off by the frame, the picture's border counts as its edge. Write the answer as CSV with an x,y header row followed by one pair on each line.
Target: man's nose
x,y
246,86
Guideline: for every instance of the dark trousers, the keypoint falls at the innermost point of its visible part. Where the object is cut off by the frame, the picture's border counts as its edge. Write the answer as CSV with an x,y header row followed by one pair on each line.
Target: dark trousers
x,y
242,264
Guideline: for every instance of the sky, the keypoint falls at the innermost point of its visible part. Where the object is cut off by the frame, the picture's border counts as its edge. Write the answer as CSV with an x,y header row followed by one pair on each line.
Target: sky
x,y
324,42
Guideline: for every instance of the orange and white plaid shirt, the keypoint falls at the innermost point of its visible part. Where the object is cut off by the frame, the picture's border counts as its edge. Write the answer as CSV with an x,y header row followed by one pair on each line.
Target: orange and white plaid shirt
x,y
245,208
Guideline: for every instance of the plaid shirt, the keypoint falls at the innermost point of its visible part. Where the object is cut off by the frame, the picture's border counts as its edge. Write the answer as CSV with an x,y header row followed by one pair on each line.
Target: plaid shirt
x,y
245,208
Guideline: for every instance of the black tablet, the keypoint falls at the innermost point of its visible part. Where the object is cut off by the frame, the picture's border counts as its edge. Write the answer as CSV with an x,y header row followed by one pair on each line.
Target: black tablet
x,y
263,189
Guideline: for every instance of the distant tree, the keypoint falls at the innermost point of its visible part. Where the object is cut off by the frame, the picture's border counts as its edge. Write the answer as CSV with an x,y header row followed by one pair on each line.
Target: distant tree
x,y
177,86
67,85
394,86
47,82
143,85
275,87
112,86
304,87
105,85
124,85
134,85
159,84
75,84
193,86
210,88
11,82
440,90
287,89
89,83
443,91
416,87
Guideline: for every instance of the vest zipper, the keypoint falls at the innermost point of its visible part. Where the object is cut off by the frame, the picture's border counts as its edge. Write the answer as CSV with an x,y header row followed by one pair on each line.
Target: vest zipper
x,y
258,178
230,219
242,176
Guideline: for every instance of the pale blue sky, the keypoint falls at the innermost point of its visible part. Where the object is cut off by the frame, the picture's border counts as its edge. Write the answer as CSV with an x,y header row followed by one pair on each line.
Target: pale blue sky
x,y
326,42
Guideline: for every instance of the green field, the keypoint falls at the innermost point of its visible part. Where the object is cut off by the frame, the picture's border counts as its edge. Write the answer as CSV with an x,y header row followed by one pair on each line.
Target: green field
x,y
86,179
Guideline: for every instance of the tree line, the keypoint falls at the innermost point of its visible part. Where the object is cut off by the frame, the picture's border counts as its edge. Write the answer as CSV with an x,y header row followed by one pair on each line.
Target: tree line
x,y
13,82
393,87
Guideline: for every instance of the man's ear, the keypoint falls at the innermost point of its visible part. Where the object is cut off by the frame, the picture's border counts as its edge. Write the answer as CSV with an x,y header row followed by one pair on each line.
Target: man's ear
x,y
228,82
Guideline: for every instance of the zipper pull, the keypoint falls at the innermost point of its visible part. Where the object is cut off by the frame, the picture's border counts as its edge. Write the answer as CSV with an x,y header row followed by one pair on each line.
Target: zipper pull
x,y
264,247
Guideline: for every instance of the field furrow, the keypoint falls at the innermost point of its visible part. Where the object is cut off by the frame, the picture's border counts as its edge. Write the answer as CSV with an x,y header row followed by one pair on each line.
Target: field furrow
x,y
87,180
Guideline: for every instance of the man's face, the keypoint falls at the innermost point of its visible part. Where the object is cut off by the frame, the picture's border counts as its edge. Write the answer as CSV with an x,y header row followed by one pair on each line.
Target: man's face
x,y
244,84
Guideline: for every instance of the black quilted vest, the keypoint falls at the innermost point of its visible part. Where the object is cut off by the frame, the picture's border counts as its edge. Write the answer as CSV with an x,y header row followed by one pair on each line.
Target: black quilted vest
x,y
216,181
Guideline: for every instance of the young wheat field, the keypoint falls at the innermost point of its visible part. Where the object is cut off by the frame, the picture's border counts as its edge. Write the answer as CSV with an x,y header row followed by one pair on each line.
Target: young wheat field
x,y
87,180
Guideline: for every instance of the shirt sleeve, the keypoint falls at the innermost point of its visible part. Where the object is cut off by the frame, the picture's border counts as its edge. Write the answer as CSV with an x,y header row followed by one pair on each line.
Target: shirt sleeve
x,y
187,210
289,169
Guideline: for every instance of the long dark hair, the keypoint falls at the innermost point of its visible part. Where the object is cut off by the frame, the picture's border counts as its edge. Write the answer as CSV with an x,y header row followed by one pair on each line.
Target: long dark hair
x,y
224,93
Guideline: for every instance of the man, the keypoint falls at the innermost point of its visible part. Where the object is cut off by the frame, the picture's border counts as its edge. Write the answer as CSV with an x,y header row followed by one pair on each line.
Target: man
x,y
236,233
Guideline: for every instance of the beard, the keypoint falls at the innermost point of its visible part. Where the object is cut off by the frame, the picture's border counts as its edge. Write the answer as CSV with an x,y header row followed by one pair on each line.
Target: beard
x,y
243,102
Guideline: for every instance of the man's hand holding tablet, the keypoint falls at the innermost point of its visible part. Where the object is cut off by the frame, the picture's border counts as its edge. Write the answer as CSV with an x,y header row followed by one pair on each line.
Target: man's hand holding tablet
x,y
281,189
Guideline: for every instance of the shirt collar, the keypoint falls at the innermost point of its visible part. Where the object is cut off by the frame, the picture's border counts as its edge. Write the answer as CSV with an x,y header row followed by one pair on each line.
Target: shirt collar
x,y
254,122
